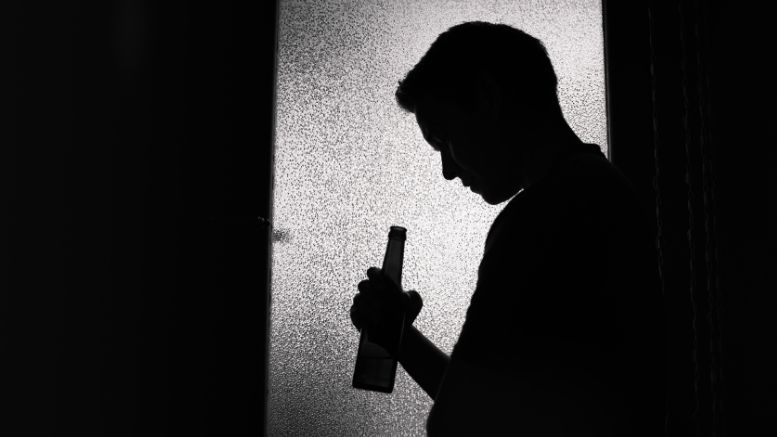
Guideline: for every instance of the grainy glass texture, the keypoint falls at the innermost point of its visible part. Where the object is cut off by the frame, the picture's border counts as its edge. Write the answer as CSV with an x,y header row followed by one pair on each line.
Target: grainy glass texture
x,y
349,164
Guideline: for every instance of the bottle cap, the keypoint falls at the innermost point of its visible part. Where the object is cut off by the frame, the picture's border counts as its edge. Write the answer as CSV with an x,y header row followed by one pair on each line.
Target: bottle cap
x,y
397,233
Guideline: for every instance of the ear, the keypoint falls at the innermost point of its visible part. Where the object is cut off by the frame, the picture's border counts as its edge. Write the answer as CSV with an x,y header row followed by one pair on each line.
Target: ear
x,y
488,94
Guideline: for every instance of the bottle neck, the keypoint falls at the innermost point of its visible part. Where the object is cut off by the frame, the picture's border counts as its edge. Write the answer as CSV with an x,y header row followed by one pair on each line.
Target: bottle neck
x,y
392,262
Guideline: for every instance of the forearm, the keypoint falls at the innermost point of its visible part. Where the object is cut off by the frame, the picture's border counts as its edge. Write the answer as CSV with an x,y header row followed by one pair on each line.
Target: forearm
x,y
424,362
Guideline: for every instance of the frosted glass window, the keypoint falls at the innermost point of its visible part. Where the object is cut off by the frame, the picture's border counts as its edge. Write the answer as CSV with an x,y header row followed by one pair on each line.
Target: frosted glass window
x,y
349,163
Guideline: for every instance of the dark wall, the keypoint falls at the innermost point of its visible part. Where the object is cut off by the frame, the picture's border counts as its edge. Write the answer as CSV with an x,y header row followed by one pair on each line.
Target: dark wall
x,y
136,161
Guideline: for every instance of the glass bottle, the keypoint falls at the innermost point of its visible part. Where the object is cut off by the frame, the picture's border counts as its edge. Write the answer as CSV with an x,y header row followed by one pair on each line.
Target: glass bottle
x,y
376,366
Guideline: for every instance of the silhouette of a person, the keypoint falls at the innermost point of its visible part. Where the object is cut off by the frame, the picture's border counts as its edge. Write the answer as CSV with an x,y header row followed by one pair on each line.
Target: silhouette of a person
x,y
564,334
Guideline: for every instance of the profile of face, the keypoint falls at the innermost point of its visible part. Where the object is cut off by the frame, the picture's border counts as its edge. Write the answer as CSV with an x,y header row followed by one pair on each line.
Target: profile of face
x,y
474,146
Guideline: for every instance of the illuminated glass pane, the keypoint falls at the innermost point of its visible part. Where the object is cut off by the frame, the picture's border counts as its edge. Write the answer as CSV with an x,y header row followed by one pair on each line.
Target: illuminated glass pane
x,y
349,163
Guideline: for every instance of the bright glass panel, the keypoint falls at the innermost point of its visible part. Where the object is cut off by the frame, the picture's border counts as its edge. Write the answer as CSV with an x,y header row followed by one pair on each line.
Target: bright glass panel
x,y
349,163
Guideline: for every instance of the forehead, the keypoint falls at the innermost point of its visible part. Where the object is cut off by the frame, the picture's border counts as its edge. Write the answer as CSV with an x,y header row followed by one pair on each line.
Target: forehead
x,y
432,117
430,109
429,132
440,112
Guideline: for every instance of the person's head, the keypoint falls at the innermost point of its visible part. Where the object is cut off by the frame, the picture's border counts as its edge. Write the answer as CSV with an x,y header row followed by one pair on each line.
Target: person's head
x,y
484,95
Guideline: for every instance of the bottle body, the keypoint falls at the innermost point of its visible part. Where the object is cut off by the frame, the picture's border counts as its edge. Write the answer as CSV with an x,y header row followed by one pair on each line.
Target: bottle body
x,y
376,365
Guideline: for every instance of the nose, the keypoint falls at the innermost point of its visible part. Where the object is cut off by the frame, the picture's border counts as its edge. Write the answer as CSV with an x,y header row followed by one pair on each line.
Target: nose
x,y
449,168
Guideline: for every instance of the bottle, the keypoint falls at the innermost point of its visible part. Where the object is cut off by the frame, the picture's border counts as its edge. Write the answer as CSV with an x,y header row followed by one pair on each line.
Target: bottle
x,y
376,367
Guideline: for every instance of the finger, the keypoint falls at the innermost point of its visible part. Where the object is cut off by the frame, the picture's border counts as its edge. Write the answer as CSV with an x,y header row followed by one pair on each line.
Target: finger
x,y
414,300
369,288
379,281
362,315
357,320
413,304
364,286
364,305
374,273
357,315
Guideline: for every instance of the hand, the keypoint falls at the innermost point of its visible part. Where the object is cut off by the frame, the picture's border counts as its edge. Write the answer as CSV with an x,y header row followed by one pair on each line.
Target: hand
x,y
380,303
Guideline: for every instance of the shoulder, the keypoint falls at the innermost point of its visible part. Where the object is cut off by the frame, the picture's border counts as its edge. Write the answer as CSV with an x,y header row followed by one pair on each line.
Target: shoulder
x,y
596,196
592,175
581,186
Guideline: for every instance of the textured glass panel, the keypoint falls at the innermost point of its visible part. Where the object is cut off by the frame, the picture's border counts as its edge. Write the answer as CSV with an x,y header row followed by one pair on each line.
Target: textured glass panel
x,y
349,163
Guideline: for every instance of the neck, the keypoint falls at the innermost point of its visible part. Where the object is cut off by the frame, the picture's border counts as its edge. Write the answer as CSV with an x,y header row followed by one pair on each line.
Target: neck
x,y
550,146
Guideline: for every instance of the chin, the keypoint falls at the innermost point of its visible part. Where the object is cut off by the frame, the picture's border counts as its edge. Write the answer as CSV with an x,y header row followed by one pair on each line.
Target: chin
x,y
495,198
492,200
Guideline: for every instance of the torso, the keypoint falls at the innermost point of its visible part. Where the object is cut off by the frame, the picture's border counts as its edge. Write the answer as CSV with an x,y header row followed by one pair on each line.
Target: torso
x,y
568,282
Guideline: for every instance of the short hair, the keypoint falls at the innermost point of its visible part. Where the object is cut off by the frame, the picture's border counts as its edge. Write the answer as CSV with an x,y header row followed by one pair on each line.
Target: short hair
x,y
518,62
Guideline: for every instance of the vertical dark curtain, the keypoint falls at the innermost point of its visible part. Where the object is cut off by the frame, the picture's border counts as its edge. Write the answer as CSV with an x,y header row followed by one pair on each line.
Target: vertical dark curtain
x,y
687,131
136,162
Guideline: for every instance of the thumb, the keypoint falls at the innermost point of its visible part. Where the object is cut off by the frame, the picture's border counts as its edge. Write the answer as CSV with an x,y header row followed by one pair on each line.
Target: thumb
x,y
413,304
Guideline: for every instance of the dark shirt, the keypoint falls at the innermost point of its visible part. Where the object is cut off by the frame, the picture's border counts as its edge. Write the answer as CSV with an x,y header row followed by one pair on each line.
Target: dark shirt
x,y
568,286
